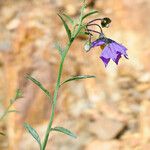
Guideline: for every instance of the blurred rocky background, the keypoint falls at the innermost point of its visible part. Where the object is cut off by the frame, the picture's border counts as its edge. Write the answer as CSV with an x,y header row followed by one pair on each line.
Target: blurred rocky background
x,y
111,112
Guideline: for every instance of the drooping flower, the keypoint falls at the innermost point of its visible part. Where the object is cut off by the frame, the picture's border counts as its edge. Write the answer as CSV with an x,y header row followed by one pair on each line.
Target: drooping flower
x,y
112,50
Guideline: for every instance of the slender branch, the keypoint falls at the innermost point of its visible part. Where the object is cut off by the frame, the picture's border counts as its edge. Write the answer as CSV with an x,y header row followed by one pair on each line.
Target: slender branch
x,y
12,101
94,24
89,30
5,112
98,19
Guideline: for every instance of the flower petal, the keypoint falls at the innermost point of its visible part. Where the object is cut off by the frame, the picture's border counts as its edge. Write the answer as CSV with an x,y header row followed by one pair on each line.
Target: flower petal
x,y
119,48
108,52
117,59
105,60
98,42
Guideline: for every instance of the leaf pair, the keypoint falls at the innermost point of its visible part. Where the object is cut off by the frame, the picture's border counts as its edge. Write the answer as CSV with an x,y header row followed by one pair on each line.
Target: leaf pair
x,y
68,31
36,136
72,21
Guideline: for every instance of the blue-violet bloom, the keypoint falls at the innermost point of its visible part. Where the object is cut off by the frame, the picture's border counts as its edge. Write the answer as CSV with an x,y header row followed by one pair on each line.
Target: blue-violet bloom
x,y
112,50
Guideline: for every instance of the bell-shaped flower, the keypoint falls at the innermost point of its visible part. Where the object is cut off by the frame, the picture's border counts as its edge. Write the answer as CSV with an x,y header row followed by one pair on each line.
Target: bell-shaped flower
x,y
112,50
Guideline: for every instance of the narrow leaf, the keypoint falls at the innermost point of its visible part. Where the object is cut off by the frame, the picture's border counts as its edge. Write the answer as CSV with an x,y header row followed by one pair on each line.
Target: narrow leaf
x,y
1,133
10,111
18,94
59,48
77,78
89,14
40,86
65,131
82,9
33,133
12,101
66,27
69,18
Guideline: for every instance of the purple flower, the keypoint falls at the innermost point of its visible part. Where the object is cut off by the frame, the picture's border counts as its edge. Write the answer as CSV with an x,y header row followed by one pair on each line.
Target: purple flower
x,y
112,50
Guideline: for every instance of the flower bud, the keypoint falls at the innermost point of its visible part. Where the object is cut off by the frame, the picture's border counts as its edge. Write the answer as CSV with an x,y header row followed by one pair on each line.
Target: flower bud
x,y
87,46
105,22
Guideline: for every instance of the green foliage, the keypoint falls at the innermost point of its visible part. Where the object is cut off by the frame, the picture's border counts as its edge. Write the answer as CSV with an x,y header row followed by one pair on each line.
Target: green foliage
x,y
10,111
66,27
34,133
69,18
1,133
59,48
82,10
40,86
18,94
77,78
65,131
82,31
89,14
12,101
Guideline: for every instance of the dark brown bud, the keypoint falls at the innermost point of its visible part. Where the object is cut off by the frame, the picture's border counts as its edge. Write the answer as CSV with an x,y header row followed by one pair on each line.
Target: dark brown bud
x,y
105,22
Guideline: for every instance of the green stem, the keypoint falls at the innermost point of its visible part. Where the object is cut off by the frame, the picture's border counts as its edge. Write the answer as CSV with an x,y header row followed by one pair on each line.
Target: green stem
x,y
6,111
55,96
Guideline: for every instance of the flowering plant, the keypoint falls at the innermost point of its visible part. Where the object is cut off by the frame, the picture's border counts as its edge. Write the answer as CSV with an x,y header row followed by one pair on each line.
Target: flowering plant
x,y
112,50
